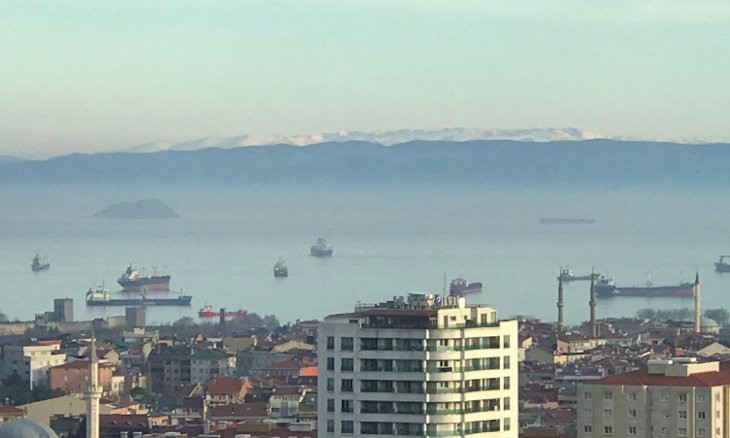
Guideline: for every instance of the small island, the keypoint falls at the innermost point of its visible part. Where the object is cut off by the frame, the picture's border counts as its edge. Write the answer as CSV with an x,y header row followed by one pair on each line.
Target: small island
x,y
142,209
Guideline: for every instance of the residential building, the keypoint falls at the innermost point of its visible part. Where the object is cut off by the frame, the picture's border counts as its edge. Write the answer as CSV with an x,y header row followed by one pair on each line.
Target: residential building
x,y
172,368
209,364
31,362
225,390
74,376
669,398
421,366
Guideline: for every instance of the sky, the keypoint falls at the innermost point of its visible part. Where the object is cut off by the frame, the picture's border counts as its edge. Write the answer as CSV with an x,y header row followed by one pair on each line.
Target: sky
x,y
88,76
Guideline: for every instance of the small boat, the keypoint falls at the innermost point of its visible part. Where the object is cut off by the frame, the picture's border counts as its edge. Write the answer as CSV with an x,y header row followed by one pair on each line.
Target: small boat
x,y
40,264
321,248
132,281
721,265
606,288
280,269
103,297
459,287
566,275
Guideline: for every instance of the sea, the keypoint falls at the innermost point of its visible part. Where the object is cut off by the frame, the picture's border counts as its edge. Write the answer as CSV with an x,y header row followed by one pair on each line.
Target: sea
x,y
388,241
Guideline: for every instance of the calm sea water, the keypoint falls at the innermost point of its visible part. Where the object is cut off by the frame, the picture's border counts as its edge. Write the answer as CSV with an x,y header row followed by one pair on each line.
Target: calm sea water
x,y
387,242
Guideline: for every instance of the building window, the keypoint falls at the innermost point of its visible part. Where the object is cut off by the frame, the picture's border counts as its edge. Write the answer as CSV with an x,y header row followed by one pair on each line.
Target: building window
x,y
587,428
607,395
346,385
505,363
330,384
683,398
682,414
330,405
330,364
632,396
701,431
587,395
682,431
608,430
632,413
506,424
505,341
701,398
330,342
346,406
346,364
346,344
505,383
632,430
346,427
505,403
701,415
664,431
331,426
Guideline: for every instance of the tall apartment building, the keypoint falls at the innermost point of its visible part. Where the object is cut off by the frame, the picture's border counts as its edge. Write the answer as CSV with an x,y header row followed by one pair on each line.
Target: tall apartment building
x,y
668,398
31,362
421,366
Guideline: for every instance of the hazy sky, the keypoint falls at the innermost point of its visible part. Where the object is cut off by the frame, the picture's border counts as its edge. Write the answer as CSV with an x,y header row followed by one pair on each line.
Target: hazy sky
x,y
101,75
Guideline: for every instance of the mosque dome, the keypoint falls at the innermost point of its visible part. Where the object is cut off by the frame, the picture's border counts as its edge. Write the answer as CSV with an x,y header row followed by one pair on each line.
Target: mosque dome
x,y
25,428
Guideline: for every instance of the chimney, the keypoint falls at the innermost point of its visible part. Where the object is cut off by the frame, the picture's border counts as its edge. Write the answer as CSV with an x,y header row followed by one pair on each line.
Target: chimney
x,y
592,303
222,321
698,328
561,304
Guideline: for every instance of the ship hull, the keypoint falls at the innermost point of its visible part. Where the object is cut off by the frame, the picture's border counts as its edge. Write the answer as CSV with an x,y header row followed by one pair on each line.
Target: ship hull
x,y
722,267
682,291
280,273
474,288
180,301
147,284
316,252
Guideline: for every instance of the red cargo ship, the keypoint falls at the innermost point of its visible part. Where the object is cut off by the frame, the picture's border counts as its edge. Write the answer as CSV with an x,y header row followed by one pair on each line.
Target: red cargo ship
x,y
208,312
131,281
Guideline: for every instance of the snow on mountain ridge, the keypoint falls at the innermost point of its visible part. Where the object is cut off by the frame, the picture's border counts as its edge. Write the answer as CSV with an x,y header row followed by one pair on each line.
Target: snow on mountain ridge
x,y
386,138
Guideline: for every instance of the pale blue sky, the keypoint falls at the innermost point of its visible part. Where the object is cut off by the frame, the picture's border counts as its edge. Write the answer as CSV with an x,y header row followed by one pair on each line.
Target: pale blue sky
x,y
102,75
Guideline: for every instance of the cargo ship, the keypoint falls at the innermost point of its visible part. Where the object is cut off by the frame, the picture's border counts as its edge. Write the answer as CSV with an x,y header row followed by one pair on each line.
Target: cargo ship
x,y
606,288
208,312
280,269
103,297
40,264
721,265
321,248
566,275
459,287
131,281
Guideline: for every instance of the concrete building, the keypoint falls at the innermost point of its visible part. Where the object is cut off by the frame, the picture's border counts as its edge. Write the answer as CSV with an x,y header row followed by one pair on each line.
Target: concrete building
x,y
74,377
63,309
31,362
668,398
135,317
421,366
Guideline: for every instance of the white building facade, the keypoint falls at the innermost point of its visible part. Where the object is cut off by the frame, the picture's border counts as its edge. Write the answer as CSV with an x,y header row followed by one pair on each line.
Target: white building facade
x,y
425,366
31,362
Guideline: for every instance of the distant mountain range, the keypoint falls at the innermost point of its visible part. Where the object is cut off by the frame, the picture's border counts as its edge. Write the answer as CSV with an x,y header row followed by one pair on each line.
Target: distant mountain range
x,y
473,164
386,138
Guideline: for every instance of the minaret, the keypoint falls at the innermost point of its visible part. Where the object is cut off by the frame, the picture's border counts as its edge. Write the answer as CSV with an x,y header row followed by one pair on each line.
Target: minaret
x,y
93,393
561,304
592,303
697,304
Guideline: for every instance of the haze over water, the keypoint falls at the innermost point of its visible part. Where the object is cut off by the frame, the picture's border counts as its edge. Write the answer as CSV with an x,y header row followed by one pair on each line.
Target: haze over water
x,y
386,242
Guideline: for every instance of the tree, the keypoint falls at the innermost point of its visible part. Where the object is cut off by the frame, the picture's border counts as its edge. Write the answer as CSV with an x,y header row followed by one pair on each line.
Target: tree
x,y
3,317
646,313
720,316
185,321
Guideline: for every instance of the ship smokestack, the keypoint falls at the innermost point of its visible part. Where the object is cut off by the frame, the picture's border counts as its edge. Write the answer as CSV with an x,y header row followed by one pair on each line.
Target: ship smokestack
x,y
697,303
561,304
592,303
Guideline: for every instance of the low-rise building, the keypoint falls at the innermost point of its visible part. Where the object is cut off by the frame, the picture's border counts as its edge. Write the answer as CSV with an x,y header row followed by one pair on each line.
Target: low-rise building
x,y
74,376
31,362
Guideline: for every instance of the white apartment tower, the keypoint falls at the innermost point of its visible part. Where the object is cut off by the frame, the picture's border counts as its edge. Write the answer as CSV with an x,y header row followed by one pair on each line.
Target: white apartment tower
x,y
422,366
668,398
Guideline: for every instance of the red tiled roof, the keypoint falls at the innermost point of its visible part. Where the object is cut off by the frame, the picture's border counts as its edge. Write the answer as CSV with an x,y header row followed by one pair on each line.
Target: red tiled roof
x,y
225,385
11,410
642,377
239,410
124,420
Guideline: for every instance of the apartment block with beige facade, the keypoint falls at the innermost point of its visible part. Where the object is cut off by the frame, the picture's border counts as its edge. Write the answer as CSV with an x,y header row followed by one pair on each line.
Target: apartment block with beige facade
x,y
422,366
669,398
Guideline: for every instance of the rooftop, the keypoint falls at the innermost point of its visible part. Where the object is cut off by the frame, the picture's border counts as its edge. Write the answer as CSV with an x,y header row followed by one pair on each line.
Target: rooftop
x,y
679,374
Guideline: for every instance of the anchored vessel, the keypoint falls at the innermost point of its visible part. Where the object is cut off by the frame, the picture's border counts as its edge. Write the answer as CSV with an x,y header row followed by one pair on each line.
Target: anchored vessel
x,y
40,263
459,287
721,265
606,288
566,275
208,312
103,297
280,269
131,281
321,248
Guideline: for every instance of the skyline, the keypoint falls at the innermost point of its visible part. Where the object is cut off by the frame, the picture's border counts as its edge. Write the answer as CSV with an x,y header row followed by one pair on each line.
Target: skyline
x,y
87,77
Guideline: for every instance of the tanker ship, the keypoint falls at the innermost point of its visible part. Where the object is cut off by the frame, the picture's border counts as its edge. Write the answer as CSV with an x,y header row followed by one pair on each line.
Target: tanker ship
x,y
103,297
606,288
